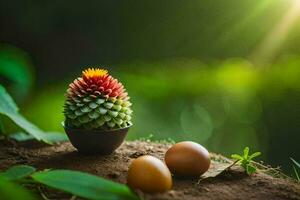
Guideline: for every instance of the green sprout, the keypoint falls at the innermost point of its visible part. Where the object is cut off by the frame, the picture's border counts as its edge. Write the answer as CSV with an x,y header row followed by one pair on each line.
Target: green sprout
x,y
296,164
246,160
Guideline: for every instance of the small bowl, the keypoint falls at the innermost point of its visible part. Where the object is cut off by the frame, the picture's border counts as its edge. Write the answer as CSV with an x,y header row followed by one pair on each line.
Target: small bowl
x,y
101,142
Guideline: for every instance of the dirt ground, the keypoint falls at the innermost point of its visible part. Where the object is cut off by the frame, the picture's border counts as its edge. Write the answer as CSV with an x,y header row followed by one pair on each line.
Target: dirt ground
x,y
232,184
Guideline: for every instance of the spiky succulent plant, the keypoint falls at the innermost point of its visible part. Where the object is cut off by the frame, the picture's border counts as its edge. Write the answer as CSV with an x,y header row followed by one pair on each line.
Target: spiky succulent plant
x,y
97,101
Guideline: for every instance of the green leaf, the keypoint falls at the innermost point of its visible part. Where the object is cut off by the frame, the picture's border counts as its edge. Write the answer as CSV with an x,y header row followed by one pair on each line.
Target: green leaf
x,y
52,137
10,109
237,157
254,155
15,65
12,191
84,185
295,162
7,104
296,173
246,152
250,169
18,172
21,136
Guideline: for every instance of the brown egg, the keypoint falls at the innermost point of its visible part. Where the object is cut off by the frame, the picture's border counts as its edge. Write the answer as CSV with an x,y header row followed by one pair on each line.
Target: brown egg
x,y
187,159
149,174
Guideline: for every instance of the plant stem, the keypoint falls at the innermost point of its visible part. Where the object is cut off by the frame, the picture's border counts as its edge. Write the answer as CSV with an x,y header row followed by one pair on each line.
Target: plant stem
x,y
42,193
271,169
296,173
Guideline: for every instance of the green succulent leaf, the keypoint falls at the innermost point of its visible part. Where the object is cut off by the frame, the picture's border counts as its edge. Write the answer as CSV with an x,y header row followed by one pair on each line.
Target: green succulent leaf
x,y
122,115
108,105
100,101
94,115
78,113
84,119
79,104
93,105
119,102
126,104
118,121
72,107
128,117
94,112
84,185
100,121
112,99
85,109
102,111
117,107
111,124
87,99
107,118
113,113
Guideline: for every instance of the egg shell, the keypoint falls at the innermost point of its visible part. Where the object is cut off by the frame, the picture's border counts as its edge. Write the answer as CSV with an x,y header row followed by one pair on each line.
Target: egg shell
x,y
149,174
187,159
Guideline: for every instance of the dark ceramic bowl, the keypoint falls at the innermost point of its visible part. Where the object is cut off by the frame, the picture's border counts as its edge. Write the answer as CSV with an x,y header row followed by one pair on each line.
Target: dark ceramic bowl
x,y
96,141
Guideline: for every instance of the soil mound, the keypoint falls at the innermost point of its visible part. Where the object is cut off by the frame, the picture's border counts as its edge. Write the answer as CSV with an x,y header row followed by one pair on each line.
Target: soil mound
x,y
231,184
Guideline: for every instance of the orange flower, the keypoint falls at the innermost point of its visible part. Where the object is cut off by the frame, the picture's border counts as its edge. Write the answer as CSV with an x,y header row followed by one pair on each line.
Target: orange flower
x,y
96,82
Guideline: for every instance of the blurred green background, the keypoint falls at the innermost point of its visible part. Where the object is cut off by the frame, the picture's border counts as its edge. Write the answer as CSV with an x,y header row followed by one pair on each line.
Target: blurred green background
x,y
225,74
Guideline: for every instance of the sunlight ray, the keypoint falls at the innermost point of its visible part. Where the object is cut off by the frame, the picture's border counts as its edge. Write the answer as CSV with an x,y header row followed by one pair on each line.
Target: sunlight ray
x,y
236,28
273,41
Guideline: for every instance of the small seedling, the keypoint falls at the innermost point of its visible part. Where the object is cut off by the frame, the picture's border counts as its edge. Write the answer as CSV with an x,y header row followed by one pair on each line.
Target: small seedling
x,y
296,165
246,160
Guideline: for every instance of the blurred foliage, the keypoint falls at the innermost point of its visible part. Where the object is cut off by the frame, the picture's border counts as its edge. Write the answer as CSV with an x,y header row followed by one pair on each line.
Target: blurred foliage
x,y
12,191
9,109
223,105
65,35
18,172
15,71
